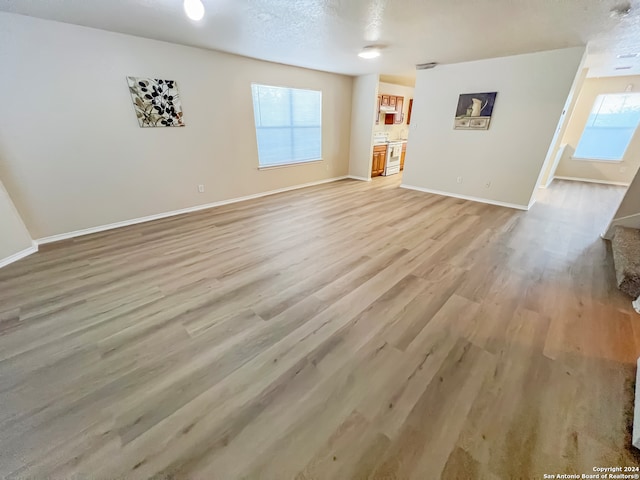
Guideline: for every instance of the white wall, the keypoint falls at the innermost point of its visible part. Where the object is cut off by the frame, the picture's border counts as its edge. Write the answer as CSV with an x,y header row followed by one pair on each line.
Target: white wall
x,y
72,155
556,148
363,110
14,237
395,131
608,172
532,90
628,213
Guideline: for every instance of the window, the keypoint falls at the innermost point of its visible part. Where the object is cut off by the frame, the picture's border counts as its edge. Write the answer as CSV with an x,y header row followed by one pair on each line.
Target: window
x,y
610,126
288,124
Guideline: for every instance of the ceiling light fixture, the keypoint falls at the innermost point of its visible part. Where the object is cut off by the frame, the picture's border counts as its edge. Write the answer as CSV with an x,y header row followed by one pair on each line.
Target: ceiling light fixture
x,y
370,52
194,9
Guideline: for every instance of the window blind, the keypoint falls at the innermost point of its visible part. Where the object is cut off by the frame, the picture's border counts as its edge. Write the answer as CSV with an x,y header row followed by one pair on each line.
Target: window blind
x,y
288,124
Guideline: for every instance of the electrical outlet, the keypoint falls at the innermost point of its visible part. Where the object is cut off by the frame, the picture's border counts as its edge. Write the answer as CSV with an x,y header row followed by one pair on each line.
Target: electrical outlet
x,y
459,180
201,188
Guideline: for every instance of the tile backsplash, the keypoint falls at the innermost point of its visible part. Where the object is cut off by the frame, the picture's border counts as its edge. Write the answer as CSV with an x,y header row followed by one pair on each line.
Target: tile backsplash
x,y
394,131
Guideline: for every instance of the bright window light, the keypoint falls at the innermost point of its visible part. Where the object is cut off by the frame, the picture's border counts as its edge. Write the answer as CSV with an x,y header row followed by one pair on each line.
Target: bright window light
x,y
610,127
288,124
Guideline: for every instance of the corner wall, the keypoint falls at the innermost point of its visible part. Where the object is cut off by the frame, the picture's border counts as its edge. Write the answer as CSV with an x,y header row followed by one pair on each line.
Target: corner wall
x,y
532,90
15,241
363,110
556,149
73,157
628,213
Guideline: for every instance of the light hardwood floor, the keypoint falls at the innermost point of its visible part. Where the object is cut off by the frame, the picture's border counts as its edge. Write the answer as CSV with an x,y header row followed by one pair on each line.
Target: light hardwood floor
x,y
346,331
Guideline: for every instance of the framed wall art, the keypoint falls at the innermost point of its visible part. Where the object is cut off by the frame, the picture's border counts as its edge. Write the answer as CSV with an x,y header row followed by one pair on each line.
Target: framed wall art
x,y
474,111
156,102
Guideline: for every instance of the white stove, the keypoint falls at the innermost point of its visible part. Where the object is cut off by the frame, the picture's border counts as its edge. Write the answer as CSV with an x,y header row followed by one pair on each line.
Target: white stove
x,y
394,152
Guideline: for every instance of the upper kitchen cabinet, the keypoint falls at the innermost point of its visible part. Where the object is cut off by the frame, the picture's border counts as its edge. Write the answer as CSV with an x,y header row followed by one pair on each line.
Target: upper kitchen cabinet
x,y
399,116
391,106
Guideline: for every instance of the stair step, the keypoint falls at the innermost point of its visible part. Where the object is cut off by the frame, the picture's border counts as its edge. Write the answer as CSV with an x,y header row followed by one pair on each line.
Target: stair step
x,y
625,245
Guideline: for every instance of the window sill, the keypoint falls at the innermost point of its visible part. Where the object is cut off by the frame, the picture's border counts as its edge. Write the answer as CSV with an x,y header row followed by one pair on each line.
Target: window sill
x,y
601,160
293,164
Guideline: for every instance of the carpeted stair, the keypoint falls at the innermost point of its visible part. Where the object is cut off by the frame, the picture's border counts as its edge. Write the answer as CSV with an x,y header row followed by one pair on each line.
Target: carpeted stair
x,y
626,257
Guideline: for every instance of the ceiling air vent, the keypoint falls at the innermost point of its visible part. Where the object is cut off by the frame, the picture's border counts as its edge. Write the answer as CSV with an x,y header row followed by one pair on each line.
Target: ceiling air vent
x,y
426,66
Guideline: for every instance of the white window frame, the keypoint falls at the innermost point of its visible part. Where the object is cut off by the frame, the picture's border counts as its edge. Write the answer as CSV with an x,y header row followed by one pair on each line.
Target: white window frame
x,y
291,162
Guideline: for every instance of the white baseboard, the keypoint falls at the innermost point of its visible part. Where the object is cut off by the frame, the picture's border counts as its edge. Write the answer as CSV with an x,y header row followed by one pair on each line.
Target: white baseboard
x,y
362,179
158,216
589,180
17,256
467,197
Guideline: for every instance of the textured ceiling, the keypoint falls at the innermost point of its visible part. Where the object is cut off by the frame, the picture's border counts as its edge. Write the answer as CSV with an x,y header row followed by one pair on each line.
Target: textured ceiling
x,y
327,34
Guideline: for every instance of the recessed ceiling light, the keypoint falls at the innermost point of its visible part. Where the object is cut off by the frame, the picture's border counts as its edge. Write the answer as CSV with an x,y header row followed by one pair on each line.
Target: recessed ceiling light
x,y
627,55
370,52
194,9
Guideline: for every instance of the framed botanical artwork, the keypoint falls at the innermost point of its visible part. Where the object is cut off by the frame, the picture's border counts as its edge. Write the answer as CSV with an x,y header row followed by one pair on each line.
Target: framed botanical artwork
x,y
156,102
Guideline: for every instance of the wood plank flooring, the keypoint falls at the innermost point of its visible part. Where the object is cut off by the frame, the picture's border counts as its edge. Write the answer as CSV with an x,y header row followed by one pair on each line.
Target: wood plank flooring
x,y
351,330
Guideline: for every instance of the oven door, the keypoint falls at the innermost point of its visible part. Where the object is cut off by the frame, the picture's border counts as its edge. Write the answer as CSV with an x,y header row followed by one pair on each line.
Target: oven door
x,y
391,170
392,165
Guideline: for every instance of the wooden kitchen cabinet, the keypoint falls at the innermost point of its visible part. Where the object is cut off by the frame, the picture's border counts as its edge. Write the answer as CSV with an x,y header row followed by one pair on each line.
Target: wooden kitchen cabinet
x,y
399,116
409,112
379,159
394,117
404,152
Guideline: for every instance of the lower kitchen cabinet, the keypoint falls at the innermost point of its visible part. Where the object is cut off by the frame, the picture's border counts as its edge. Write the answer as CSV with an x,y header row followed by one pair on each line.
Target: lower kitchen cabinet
x,y
404,152
379,158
